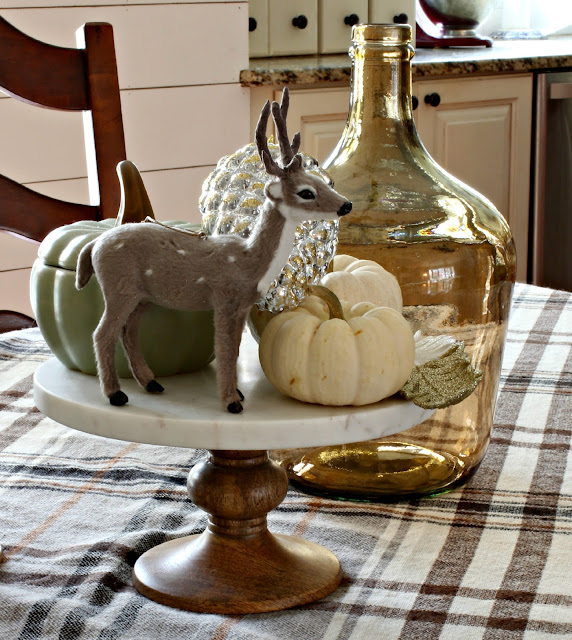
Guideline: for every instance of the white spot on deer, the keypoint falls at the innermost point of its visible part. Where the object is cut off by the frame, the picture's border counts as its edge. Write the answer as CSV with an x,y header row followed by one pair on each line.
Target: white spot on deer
x,y
149,272
181,251
119,245
200,280
231,259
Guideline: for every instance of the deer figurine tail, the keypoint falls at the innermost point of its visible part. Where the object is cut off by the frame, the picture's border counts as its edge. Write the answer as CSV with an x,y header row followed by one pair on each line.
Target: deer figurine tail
x,y
84,266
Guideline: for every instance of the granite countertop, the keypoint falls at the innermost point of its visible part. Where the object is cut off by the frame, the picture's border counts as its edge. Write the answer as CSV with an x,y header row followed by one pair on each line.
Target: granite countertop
x,y
520,56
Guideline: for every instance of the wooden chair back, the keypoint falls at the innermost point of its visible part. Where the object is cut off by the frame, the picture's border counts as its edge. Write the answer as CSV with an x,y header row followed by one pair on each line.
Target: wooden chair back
x,y
83,79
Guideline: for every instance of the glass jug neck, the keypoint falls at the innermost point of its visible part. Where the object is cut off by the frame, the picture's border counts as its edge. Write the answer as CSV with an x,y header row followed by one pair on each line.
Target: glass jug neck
x,y
380,85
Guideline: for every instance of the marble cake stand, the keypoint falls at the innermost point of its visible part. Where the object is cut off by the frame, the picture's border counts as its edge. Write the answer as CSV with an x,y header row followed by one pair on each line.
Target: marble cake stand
x,y
236,565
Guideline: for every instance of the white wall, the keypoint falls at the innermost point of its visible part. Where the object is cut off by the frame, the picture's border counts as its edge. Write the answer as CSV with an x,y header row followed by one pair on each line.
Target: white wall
x,y
545,16
183,107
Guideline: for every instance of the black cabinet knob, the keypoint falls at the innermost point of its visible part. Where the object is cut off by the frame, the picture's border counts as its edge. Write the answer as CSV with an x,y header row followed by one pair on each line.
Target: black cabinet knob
x,y
402,18
414,102
252,24
300,21
351,19
433,99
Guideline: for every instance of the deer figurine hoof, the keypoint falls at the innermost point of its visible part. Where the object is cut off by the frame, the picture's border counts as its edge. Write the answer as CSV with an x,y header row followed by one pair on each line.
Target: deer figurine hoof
x,y
118,398
234,407
154,387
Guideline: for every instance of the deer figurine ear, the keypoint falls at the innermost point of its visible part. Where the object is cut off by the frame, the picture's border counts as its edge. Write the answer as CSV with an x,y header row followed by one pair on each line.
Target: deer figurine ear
x,y
273,190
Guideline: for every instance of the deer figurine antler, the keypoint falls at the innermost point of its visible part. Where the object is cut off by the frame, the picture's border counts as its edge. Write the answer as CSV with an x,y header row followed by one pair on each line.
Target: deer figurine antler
x,y
288,151
138,264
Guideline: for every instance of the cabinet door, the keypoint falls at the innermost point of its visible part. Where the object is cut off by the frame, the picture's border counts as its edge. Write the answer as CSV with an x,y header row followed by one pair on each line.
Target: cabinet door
x,y
336,18
320,116
293,27
258,28
479,129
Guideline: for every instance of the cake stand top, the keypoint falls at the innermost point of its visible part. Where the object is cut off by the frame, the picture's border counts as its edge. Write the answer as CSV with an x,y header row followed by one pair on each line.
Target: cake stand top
x,y
189,412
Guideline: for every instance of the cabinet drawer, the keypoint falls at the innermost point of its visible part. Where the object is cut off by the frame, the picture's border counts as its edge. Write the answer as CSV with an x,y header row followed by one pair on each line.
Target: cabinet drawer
x,y
258,28
336,18
388,11
293,27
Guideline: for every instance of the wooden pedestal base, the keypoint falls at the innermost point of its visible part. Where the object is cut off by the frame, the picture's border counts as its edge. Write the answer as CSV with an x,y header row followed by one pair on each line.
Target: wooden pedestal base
x,y
236,565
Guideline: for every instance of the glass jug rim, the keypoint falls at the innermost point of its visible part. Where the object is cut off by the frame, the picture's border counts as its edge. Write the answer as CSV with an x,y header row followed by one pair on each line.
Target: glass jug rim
x,y
382,34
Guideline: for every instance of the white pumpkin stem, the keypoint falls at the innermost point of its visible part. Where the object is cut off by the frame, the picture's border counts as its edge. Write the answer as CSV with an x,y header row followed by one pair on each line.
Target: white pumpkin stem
x,y
330,298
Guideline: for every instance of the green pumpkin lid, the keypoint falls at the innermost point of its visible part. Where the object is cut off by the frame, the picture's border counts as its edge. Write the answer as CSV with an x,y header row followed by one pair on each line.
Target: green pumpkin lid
x,y
61,247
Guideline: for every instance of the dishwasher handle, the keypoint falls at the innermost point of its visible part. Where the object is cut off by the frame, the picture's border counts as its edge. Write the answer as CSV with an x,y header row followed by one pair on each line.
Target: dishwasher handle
x,y
561,90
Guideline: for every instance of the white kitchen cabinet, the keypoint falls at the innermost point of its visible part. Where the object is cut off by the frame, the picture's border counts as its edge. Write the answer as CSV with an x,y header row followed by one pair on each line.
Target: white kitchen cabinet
x,y
480,131
279,28
336,18
292,27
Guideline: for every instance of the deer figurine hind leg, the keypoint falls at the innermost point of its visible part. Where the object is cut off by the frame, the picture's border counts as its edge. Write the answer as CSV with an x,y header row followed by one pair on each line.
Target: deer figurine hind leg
x,y
130,339
121,320
137,264
105,338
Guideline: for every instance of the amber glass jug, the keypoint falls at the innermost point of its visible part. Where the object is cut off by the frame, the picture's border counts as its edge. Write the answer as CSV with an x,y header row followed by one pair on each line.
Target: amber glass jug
x,y
454,257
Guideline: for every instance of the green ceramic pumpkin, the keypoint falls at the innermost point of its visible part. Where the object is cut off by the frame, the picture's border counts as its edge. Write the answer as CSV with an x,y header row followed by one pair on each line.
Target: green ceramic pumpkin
x,y
172,341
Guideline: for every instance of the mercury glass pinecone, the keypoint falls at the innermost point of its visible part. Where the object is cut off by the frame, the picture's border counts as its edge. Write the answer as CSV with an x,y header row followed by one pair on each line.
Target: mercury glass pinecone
x,y
230,202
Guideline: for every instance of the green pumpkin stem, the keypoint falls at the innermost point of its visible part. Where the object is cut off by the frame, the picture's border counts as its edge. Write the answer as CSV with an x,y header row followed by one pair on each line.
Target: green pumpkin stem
x,y
330,298
135,204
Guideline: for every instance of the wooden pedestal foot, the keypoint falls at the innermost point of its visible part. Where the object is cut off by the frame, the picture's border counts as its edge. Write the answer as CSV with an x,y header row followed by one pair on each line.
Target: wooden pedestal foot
x,y
236,565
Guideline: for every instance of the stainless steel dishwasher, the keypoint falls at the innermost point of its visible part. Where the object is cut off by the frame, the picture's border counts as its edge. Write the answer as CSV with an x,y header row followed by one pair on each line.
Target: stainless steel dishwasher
x,y
552,200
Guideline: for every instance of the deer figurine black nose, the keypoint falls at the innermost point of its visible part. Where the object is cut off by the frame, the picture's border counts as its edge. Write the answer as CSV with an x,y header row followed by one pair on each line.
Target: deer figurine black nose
x,y
345,208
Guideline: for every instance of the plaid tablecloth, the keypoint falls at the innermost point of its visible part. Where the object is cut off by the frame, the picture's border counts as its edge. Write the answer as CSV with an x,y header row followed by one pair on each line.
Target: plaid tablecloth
x,y
490,560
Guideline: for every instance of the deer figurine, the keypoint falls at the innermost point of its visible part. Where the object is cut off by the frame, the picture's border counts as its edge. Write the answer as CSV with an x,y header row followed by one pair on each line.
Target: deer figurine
x,y
141,263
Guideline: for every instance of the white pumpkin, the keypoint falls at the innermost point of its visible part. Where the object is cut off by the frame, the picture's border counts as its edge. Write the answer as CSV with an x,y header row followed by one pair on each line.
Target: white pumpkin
x,y
313,357
356,280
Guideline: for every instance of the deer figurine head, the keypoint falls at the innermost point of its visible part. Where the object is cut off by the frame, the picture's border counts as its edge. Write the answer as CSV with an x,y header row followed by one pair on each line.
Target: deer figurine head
x,y
296,193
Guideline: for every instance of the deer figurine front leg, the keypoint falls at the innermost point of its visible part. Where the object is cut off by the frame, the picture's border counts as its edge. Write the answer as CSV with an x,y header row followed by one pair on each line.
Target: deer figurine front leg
x,y
229,325
138,264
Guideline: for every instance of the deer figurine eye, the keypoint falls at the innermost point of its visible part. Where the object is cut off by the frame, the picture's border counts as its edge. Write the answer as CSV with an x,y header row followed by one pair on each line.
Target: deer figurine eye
x,y
306,194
